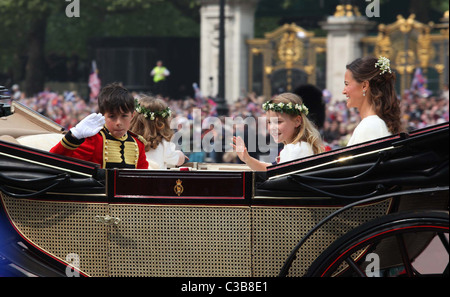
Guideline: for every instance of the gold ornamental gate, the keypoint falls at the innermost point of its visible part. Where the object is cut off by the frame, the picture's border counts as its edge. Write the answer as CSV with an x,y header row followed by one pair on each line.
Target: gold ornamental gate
x,y
409,45
286,58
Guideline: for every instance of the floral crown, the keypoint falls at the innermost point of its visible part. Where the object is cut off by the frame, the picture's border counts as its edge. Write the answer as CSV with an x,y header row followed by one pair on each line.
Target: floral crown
x,y
289,108
384,64
165,113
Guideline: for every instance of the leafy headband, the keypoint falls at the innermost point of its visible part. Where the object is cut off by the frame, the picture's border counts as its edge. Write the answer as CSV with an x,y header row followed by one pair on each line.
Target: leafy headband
x,y
165,113
289,108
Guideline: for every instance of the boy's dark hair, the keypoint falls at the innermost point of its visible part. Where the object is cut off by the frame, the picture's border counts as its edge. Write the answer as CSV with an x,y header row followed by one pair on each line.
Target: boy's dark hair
x,y
115,98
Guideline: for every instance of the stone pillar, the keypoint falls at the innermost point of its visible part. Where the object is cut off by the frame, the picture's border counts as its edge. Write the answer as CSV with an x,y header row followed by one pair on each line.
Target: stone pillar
x,y
239,26
345,30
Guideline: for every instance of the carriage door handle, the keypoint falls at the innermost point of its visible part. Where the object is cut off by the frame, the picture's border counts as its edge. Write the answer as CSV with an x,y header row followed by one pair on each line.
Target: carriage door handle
x,y
107,220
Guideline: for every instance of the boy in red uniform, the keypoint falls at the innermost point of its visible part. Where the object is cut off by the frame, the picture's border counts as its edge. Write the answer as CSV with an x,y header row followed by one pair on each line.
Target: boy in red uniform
x,y
104,138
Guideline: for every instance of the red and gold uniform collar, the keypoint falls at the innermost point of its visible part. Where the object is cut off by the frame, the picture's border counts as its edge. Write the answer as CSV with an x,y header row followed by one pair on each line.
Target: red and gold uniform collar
x,y
119,152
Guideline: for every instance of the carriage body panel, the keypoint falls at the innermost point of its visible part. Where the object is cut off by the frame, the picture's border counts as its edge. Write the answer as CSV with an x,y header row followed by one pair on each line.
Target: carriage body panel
x,y
207,219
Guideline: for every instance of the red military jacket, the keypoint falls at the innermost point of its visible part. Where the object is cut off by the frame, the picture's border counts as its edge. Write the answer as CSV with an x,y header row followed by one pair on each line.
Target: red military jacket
x,y
106,150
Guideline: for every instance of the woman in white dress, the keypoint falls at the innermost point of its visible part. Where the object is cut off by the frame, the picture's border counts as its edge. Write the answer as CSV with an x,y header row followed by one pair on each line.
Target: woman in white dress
x,y
370,88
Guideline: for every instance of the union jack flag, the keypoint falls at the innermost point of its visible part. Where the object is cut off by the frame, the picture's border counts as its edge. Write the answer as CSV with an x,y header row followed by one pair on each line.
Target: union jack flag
x,y
94,82
419,83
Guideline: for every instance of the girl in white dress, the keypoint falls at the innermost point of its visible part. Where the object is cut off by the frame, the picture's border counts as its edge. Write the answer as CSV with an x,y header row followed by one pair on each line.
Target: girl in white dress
x,y
152,123
370,88
288,124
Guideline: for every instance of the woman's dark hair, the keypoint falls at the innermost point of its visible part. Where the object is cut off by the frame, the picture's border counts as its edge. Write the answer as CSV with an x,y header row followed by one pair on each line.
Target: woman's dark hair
x,y
382,91
115,98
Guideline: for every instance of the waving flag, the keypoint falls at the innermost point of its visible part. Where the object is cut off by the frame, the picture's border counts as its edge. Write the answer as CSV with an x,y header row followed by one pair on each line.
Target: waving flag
x,y
94,82
419,83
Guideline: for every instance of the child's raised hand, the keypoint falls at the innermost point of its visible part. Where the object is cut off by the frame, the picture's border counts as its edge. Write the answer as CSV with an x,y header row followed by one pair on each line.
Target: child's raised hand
x,y
89,126
239,146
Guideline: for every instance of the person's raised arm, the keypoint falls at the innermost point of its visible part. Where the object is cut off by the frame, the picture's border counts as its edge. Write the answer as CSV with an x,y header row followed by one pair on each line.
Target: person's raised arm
x,y
254,164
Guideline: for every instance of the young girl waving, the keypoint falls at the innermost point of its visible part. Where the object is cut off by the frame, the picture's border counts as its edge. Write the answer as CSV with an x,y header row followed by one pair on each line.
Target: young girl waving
x,y
288,124
152,122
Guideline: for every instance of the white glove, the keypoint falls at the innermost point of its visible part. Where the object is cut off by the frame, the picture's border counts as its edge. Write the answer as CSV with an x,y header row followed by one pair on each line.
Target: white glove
x,y
89,126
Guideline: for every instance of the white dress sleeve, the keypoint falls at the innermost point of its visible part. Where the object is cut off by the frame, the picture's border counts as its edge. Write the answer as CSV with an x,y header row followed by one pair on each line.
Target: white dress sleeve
x,y
171,154
371,127
164,155
295,151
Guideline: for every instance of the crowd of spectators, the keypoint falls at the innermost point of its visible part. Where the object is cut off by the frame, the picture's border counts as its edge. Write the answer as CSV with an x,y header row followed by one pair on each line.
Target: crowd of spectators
x,y
68,108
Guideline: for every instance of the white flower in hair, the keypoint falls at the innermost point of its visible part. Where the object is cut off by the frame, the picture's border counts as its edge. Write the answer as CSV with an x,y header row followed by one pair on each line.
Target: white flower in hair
x,y
384,64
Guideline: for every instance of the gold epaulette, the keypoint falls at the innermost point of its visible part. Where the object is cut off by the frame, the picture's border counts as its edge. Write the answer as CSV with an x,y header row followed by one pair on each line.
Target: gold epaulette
x,y
140,137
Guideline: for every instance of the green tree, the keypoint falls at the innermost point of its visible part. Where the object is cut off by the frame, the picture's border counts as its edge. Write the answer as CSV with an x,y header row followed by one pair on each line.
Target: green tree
x,y
31,17
29,29
288,10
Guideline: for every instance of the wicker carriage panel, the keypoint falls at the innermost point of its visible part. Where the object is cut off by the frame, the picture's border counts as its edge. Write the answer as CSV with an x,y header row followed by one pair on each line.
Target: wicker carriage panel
x,y
277,230
180,241
62,229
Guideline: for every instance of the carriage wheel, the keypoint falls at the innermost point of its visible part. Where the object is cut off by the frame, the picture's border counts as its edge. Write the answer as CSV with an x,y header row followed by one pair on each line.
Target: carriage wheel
x,y
399,244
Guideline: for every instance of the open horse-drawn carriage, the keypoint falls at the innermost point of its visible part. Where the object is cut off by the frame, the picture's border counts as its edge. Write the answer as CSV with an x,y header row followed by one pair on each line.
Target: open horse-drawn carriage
x,y
377,208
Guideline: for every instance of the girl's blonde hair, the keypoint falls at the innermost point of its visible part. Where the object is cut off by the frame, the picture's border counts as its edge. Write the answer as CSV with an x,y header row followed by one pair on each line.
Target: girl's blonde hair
x,y
153,130
307,131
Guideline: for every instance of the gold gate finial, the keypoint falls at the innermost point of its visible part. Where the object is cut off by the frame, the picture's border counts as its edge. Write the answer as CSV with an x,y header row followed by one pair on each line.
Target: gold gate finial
x,y
347,10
